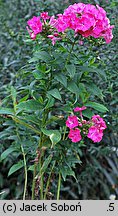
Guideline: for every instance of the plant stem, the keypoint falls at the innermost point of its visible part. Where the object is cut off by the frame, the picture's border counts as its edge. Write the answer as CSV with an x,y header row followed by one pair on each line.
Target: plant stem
x,y
64,133
21,122
48,182
25,167
68,58
41,178
34,181
40,165
25,164
59,186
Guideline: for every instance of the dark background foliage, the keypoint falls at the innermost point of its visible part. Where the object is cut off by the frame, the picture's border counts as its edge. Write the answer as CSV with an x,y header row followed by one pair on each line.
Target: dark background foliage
x,y
98,175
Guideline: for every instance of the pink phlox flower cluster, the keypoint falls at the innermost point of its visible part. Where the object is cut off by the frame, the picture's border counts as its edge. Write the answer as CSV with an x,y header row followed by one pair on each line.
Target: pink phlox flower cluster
x,y
35,25
62,23
87,20
99,122
75,135
95,132
84,19
72,121
93,128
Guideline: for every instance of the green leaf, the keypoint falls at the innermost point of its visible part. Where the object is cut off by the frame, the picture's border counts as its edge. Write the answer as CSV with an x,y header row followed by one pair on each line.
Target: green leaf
x,y
13,93
24,98
93,70
19,121
97,106
66,108
83,92
87,113
71,70
6,153
100,72
31,168
72,87
52,119
94,90
55,93
54,135
50,102
67,171
29,105
43,55
6,111
62,79
46,163
38,75
34,59
15,167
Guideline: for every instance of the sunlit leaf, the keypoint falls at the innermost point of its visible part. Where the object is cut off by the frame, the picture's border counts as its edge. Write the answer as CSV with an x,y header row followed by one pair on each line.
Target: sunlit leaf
x,y
15,167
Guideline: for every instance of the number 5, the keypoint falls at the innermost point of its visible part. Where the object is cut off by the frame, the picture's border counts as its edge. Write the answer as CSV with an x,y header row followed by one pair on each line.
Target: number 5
x,y
111,207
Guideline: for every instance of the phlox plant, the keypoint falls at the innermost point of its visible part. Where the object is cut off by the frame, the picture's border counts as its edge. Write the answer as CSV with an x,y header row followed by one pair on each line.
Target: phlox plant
x,y
58,107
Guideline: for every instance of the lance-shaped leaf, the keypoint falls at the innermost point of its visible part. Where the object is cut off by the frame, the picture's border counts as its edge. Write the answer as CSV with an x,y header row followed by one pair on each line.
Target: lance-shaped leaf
x,y
15,167
7,152
54,135
55,93
46,163
71,70
97,106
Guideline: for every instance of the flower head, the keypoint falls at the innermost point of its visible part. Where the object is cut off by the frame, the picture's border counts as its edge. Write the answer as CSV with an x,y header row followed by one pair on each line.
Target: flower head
x,y
99,122
79,109
87,20
72,121
95,134
44,16
35,24
75,135
31,33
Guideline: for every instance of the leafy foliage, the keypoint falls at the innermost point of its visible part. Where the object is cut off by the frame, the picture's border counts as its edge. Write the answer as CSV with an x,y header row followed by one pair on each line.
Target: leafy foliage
x,y
24,104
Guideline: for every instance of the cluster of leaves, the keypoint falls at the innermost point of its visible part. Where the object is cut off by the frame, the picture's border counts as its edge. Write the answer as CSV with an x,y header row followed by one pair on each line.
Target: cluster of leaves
x,y
24,106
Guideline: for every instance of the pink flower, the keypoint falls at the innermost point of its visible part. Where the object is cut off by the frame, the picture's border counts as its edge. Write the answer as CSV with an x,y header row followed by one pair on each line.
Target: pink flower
x,y
79,109
53,22
35,25
84,19
62,23
85,22
108,34
101,10
89,8
72,121
75,8
54,38
80,124
95,134
81,42
32,35
44,15
75,135
99,122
